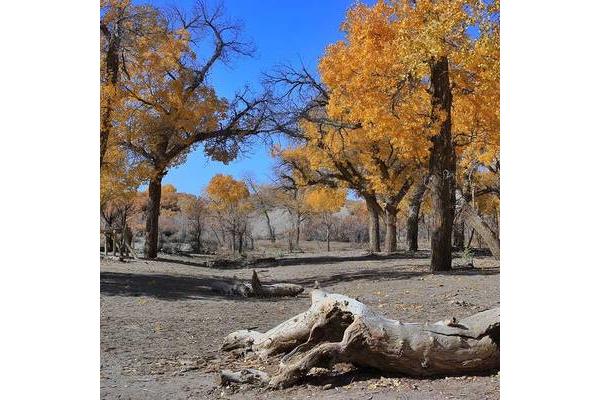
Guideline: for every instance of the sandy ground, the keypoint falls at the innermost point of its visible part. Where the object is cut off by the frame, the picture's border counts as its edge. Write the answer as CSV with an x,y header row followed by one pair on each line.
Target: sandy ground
x,y
161,325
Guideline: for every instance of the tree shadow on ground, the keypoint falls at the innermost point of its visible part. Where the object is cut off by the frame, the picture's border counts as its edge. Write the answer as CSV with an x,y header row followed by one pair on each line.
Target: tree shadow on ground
x,y
326,259
221,263
178,261
166,287
174,287
386,274
270,262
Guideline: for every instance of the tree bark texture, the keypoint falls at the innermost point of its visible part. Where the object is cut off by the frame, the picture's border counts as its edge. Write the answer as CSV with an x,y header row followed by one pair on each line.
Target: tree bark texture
x,y
442,168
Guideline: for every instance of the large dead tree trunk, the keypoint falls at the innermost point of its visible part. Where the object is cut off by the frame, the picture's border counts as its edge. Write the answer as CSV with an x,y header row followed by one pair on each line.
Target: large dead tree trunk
x,y
442,167
337,328
412,222
374,240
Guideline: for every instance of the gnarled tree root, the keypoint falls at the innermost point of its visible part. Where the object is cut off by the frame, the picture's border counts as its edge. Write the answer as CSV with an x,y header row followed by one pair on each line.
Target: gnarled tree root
x,y
337,328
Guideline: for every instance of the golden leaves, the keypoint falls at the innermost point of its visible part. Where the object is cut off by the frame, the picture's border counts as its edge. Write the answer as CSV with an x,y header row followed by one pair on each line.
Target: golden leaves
x,y
325,200
225,191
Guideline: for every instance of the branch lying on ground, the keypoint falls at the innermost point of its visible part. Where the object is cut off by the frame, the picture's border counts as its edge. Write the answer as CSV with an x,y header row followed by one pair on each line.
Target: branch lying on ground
x,y
256,289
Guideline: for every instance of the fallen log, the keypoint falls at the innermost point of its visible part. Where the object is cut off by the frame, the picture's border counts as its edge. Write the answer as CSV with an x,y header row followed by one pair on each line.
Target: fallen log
x,y
337,329
256,289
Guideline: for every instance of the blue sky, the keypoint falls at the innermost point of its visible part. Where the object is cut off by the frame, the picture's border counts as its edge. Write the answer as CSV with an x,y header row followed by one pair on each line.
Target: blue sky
x,y
282,32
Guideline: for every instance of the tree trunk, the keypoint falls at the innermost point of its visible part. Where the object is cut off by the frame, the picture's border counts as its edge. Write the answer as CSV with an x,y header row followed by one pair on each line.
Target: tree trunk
x,y
240,242
328,238
482,228
442,168
390,228
114,242
297,238
270,227
339,329
459,234
198,238
153,212
112,70
290,242
470,238
374,245
412,222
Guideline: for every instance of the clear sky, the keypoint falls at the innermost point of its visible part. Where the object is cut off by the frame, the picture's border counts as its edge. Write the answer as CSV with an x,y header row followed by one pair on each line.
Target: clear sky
x,y
282,31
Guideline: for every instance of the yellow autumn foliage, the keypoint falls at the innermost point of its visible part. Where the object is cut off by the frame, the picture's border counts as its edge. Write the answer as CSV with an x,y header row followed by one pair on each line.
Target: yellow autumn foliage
x,y
325,200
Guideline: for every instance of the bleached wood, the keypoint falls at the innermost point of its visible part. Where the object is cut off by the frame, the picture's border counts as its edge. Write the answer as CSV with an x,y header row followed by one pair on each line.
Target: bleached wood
x,y
337,328
256,289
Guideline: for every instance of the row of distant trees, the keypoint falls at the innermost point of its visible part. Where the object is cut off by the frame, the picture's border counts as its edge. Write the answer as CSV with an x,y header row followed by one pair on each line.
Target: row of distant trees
x,y
224,218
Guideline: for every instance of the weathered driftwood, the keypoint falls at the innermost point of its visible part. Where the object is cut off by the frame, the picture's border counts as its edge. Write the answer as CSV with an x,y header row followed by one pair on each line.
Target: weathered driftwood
x,y
337,328
256,289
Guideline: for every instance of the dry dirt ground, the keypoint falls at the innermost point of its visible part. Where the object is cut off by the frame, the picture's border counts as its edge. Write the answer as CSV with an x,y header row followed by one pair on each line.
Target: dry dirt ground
x,y
161,325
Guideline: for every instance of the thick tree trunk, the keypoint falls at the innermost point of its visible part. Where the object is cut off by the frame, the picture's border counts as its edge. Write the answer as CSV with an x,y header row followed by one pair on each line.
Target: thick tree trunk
x,y
374,241
109,242
479,225
390,228
112,70
412,222
338,329
442,168
240,242
153,212
459,234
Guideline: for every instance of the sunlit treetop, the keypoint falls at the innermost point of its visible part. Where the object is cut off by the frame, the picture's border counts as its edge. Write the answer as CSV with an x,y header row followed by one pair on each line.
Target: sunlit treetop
x,y
225,191
325,200
378,75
